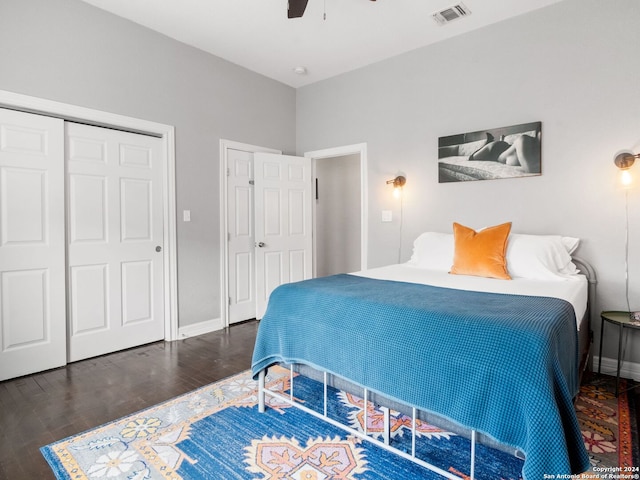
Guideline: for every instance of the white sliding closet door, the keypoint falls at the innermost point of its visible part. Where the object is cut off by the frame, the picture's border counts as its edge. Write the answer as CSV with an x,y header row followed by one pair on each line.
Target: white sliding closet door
x,y
115,240
32,244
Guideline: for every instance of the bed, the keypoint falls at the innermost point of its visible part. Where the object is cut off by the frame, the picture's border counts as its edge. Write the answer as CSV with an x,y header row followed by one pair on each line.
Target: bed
x,y
490,154
518,347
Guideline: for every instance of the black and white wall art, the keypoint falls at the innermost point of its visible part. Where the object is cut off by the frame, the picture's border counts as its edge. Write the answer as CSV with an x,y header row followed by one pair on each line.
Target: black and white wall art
x,y
504,152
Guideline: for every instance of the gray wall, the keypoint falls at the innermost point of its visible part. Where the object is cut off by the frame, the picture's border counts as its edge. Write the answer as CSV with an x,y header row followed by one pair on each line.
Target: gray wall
x,y
574,66
69,51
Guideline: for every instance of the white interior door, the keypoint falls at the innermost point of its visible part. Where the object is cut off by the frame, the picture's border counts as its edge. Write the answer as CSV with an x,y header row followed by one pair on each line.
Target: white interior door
x,y
283,223
32,244
240,218
115,240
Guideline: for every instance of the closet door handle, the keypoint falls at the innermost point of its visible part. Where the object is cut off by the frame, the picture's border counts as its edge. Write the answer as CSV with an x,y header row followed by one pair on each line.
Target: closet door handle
x,y
260,244
158,248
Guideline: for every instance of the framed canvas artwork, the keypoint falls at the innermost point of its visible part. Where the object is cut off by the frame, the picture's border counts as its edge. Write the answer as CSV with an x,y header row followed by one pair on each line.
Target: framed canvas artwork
x,y
504,152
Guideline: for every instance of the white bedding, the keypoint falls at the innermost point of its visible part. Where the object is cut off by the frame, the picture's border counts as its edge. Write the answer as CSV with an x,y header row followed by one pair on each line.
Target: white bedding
x,y
573,289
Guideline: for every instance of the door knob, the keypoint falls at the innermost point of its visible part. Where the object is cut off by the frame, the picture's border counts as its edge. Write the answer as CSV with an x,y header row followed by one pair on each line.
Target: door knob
x,y
158,248
261,244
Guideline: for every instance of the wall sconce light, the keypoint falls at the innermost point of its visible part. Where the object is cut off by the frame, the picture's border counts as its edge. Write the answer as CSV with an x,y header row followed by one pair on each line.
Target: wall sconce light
x,y
624,161
398,183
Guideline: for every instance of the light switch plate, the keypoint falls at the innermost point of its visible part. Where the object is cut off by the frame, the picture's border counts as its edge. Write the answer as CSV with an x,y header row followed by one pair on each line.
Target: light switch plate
x,y
387,215
186,215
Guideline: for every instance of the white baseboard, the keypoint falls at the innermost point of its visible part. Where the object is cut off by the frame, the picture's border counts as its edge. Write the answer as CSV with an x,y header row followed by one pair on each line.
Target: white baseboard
x,y
610,365
200,328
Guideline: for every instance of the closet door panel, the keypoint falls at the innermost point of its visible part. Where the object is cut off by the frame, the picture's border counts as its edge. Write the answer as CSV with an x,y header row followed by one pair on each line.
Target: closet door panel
x,y
115,228
24,212
136,215
32,244
25,295
89,299
87,208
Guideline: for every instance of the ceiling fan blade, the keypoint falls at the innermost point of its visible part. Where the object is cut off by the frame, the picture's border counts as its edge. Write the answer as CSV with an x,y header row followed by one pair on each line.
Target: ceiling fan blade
x,y
296,8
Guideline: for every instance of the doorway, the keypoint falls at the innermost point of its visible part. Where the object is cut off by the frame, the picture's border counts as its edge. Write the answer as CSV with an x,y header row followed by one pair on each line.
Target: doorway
x,y
114,199
237,233
340,209
166,133
238,238
337,215
55,179
267,227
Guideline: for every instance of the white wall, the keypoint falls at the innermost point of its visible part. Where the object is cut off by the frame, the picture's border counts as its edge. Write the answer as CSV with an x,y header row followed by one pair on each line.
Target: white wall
x,y
69,51
574,66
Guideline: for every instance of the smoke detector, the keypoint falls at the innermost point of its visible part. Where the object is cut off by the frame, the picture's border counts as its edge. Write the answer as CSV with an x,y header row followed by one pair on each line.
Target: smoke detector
x,y
450,14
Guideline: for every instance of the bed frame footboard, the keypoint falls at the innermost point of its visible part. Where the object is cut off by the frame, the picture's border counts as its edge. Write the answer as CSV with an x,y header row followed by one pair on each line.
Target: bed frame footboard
x,y
385,443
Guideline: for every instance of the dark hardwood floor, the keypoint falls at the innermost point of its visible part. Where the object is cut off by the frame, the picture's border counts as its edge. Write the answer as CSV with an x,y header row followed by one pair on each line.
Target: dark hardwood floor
x,y
40,409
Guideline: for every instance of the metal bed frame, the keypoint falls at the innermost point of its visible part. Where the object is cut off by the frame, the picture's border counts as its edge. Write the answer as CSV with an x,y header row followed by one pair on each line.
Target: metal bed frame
x,y
585,353
385,443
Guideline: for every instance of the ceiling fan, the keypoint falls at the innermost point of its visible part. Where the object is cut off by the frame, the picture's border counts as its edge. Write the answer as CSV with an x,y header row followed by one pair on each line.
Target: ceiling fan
x,y
296,8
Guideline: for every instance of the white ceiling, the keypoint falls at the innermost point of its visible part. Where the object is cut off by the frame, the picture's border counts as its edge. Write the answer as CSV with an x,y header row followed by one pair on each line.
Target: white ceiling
x,y
257,34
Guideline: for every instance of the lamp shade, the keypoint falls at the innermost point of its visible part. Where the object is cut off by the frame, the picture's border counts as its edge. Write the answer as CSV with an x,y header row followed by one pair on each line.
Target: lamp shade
x,y
624,160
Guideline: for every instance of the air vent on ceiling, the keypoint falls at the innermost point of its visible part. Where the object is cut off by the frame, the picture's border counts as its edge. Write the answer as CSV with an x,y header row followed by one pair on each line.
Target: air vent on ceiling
x,y
450,14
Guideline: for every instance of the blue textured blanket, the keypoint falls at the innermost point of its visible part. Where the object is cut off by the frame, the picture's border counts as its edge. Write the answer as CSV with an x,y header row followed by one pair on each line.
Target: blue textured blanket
x,y
505,365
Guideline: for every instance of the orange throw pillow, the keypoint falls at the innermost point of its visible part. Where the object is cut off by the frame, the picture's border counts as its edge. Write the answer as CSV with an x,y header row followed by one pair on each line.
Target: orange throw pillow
x,y
482,253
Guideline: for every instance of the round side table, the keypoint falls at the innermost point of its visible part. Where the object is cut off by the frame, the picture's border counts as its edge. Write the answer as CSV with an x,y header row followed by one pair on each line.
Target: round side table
x,y
622,320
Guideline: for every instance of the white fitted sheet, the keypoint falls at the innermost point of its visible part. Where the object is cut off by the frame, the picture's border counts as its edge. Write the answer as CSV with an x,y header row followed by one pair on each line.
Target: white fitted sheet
x,y
573,289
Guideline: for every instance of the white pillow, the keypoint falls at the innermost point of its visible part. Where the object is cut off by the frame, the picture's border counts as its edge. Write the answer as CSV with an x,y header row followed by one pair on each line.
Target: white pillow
x,y
433,250
541,257
570,243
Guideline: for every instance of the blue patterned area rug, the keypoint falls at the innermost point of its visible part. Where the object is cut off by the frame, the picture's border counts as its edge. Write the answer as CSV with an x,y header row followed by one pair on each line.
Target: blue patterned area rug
x,y
216,432
609,425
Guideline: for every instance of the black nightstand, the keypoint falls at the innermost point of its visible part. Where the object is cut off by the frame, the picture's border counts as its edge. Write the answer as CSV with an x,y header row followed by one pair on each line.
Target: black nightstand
x,y
623,320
